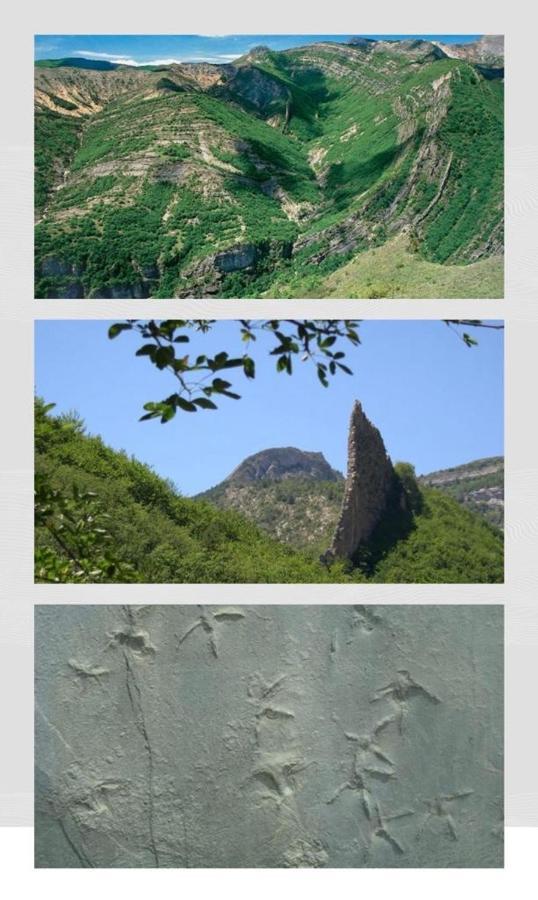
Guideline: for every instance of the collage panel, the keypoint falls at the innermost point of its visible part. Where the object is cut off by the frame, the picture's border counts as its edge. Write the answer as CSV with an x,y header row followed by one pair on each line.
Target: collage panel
x,y
269,451
269,736
269,166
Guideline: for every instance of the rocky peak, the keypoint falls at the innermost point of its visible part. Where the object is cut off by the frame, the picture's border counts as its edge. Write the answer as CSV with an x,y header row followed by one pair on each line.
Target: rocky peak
x,y
370,482
487,50
279,463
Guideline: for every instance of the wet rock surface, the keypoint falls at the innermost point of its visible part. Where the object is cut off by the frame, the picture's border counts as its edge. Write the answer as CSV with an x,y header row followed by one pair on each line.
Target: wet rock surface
x,y
269,736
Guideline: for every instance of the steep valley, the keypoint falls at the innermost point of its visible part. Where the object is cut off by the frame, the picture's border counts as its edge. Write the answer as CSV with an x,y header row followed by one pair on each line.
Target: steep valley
x,y
272,175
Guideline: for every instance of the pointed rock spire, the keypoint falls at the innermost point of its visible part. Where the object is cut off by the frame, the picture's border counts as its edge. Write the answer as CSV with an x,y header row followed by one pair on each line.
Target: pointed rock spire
x,y
369,482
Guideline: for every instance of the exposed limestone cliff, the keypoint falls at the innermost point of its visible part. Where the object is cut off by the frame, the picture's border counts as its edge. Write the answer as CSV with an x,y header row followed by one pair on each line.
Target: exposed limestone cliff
x,y
282,463
369,483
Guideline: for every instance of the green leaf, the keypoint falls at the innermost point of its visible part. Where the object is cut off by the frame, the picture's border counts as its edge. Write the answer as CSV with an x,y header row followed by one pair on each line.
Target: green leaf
x,y
327,342
185,404
232,395
249,367
163,357
219,385
118,327
168,413
146,350
469,341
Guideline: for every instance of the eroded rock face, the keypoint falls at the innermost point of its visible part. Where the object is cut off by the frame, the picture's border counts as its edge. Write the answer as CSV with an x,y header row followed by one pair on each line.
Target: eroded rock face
x,y
241,257
370,482
284,462
269,736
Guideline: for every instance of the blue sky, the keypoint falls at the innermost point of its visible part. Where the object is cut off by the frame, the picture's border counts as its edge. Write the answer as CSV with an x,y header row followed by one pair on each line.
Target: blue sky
x,y
436,402
164,49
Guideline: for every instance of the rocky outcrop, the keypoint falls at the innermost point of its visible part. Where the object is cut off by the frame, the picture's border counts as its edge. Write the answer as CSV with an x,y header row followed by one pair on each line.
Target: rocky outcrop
x,y
53,265
241,257
284,462
487,50
210,271
257,88
370,483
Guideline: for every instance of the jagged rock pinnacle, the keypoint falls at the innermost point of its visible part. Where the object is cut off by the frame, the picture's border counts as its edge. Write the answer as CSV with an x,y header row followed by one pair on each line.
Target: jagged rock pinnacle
x,y
369,482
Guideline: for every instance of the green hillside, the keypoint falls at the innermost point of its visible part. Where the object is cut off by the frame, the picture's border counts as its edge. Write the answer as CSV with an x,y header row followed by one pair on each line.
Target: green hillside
x,y
478,485
103,516
263,177
393,270
298,511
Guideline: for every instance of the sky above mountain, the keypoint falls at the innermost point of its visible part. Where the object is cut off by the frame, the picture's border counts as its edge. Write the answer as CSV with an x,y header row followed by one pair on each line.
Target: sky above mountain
x,y
165,49
436,402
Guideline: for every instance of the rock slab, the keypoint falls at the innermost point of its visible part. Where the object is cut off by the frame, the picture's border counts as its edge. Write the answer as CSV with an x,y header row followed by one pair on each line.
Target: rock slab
x,y
268,736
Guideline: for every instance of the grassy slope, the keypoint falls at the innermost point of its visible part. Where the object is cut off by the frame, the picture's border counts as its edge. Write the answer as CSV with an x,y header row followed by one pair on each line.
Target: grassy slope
x,y
170,539
392,270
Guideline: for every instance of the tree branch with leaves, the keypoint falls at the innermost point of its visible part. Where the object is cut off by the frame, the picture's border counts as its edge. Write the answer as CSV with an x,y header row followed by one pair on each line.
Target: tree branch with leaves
x,y
199,381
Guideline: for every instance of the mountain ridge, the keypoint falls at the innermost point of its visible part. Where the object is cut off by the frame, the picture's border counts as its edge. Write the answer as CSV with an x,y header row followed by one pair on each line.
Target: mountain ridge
x,y
258,177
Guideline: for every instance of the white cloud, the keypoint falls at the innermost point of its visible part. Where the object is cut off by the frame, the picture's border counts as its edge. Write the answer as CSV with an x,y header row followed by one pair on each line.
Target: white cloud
x,y
216,57
129,61
109,57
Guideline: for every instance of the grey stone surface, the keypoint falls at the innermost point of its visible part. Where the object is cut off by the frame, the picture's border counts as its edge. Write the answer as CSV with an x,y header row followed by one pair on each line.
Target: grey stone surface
x,y
269,736
369,481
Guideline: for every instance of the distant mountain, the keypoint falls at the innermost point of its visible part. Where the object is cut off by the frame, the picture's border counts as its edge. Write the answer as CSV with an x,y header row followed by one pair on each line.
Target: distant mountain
x,y
270,176
292,494
77,62
280,463
486,51
478,485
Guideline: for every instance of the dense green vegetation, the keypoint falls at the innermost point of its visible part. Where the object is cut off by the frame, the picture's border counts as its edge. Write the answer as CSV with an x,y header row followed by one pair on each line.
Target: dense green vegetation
x,y
474,132
307,158
475,486
435,540
119,521
56,140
